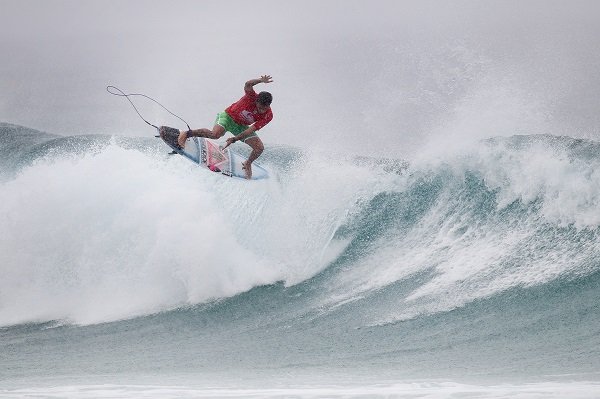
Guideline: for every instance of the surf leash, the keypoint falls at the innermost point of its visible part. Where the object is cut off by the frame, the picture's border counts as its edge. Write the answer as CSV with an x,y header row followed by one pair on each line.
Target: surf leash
x,y
115,91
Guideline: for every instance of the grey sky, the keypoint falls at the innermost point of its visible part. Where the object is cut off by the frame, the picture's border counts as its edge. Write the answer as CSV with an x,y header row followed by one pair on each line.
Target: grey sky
x,y
372,77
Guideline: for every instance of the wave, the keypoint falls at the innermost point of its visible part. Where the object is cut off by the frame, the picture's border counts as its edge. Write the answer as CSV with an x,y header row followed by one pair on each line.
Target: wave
x,y
514,212
99,228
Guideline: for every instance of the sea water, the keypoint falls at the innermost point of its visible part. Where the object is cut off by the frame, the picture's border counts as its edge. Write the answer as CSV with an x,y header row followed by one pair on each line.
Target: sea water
x,y
126,272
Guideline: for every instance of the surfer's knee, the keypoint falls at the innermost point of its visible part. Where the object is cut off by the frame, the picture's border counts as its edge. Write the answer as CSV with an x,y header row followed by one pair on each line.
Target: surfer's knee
x,y
256,144
218,131
259,147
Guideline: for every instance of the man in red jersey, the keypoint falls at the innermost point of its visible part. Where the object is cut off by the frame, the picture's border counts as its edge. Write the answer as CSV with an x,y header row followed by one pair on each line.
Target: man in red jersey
x,y
242,118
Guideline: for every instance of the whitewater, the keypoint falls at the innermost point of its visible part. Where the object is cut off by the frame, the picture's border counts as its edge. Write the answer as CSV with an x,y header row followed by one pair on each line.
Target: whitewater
x,y
127,272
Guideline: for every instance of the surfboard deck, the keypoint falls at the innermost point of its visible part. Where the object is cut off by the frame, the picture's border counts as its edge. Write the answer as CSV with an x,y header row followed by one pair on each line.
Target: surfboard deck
x,y
208,154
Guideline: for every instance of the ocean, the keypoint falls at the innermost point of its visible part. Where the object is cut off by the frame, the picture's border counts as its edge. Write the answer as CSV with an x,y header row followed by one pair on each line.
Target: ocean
x,y
126,272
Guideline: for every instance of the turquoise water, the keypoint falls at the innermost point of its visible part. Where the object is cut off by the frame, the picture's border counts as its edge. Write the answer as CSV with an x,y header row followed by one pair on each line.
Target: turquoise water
x,y
343,275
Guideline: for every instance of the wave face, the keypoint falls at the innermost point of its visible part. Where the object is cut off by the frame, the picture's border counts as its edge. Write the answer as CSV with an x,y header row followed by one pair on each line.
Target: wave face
x,y
488,257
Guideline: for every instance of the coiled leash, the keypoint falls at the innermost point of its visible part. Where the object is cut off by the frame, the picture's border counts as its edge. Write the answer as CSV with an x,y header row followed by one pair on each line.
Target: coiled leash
x,y
118,92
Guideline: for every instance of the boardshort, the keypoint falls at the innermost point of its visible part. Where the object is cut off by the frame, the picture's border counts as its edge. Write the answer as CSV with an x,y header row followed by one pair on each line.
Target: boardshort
x,y
227,123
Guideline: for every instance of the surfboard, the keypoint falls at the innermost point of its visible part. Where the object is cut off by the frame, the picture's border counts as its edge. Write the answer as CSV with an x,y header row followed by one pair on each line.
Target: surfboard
x,y
210,155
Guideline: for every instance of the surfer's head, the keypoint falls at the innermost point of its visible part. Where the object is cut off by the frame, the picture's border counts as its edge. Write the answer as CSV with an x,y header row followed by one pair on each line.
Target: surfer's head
x,y
264,99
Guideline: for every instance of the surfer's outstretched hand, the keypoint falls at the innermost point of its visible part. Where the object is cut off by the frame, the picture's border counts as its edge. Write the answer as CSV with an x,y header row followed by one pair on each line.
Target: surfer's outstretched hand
x,y
229,141
266,79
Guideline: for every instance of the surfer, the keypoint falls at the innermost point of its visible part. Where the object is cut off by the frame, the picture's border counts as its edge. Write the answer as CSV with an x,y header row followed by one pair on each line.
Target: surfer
x,y
242,118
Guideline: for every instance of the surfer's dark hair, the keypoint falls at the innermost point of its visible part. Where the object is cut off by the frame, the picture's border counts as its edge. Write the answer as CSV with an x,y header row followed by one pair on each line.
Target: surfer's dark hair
x,y
264,98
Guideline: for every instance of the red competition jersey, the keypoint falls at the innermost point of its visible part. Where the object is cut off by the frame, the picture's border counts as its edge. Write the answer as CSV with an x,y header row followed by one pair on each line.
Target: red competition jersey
x,y
244,111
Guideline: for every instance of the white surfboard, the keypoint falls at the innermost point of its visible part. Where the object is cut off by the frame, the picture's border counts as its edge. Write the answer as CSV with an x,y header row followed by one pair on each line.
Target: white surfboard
x,y
208,154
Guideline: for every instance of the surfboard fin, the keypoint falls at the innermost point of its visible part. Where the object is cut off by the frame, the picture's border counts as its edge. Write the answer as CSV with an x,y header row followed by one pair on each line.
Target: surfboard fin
x,y
173,152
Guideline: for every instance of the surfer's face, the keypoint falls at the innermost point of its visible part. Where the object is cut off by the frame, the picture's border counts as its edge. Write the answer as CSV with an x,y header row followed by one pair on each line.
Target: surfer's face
x,y
261,108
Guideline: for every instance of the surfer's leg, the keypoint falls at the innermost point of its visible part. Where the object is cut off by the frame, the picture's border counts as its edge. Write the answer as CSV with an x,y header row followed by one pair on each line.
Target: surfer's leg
x,y
257,148
217,132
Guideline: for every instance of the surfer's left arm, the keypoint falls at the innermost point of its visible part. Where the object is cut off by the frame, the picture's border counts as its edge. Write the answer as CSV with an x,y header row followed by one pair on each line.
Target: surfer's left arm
x,y
253,82
242,136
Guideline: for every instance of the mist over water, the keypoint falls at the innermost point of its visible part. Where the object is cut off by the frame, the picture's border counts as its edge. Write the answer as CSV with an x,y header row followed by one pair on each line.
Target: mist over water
x,y
432,211
378,78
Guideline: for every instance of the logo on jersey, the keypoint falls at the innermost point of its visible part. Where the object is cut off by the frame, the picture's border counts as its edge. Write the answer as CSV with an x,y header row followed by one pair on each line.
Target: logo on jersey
x,y
248,117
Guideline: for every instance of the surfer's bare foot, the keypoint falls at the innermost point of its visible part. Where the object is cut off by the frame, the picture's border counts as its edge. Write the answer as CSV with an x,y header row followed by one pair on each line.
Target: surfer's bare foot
x,y
182,138
248,168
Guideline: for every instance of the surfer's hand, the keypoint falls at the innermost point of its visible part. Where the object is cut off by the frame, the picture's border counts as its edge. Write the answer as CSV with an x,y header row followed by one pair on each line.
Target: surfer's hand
x,y
266,79
230,141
